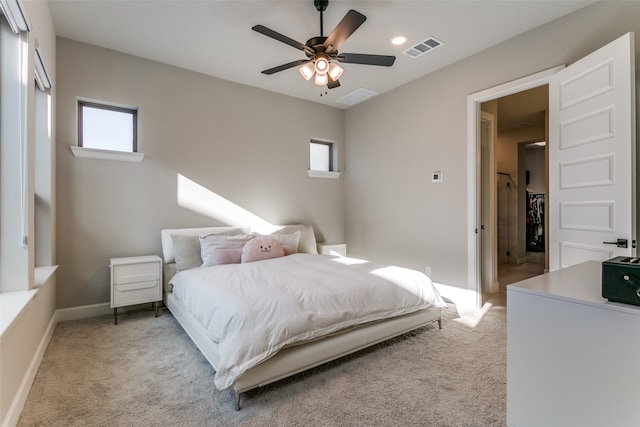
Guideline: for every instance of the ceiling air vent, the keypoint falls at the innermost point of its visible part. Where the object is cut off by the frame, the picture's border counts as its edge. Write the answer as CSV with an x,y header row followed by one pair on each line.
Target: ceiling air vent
x,y
356,96
423,47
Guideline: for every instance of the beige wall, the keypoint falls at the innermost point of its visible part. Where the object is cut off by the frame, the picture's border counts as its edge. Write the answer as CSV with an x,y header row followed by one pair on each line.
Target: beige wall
x,y
394,212
247,145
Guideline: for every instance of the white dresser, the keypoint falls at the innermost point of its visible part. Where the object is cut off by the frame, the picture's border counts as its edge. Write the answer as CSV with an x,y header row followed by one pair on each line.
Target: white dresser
x,y
135,280
573,358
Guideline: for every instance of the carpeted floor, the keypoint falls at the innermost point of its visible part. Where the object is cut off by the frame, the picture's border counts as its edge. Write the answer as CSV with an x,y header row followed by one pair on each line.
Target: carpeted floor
x,y
145,371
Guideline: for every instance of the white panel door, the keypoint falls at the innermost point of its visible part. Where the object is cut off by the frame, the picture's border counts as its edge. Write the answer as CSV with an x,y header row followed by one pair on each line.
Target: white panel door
x,y
592,156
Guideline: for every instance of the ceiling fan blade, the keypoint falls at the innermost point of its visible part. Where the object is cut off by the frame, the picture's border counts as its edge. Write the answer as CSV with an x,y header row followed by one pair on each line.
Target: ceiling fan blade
x,y
351,21
333,83
284,66
361,58
280,37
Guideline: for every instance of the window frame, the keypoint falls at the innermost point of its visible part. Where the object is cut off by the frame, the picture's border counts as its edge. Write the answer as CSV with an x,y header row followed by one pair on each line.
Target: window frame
x,y
108,107
333,159
330,154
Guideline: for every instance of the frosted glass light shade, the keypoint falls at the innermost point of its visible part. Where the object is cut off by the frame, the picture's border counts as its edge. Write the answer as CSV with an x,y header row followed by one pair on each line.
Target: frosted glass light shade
x,y
322,65
321,79
307,71
335,71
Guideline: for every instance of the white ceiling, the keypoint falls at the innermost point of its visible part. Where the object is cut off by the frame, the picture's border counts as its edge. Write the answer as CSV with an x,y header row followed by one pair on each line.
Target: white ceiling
x,y
214,36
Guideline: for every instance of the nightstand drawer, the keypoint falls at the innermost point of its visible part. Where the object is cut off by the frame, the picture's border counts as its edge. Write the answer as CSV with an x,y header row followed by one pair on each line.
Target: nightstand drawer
x,y
136,293
129,273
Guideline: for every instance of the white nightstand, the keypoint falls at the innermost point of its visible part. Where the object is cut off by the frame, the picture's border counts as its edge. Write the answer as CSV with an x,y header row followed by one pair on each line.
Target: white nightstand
x,y
339,249
135,280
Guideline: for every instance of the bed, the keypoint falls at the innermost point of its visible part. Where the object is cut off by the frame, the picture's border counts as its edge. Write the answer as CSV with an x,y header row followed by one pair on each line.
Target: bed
x,y
259,320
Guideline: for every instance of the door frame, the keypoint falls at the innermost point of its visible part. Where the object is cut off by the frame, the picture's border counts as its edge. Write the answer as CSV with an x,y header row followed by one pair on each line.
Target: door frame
x,y
489,216
474,289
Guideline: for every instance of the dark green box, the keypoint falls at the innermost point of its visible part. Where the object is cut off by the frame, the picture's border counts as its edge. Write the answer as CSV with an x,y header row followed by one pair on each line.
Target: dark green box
x,y
621,280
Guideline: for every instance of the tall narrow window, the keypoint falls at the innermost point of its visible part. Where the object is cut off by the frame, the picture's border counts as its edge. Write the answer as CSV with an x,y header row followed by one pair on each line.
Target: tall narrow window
x,y
107,127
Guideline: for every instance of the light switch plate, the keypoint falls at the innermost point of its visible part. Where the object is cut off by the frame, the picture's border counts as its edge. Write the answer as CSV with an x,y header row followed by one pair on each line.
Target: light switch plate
x,y
436,176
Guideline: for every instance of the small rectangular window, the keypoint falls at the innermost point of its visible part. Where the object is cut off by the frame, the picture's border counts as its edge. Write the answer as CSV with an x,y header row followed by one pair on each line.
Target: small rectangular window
x,y
107,127
321,156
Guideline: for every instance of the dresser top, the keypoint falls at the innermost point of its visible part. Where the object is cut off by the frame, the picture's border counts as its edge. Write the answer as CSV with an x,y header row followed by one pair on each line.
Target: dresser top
x,y
580,283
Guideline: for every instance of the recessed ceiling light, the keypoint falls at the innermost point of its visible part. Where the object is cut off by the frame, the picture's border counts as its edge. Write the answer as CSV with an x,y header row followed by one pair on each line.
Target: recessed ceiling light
x,y
398,40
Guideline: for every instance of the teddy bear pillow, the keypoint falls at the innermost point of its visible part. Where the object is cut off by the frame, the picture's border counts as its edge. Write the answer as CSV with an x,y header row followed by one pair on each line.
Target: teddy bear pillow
x,y
261,248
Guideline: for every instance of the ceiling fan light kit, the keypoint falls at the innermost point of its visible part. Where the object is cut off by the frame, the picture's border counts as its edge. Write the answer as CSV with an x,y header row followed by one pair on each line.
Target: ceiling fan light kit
x,y
322,52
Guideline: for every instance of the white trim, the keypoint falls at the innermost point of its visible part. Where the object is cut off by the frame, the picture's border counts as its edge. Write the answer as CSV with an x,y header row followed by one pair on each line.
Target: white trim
x,y
42,274
12,305
14,13
324,174
41,75
83,312
473,136
94,310
95,153
15,409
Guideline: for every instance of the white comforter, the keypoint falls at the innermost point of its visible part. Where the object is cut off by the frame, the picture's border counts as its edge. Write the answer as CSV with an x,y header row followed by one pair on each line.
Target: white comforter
x,y
253,310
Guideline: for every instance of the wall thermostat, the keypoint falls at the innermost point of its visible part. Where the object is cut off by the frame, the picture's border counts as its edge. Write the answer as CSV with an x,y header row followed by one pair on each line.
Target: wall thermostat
x,y
436,176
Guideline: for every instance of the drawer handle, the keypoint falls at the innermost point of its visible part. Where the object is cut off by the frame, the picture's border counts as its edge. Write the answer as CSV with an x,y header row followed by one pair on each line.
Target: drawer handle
x,y
136,286
136,279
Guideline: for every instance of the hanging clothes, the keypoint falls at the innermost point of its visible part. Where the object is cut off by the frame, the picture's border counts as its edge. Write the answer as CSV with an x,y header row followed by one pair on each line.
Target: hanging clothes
x,y
535,222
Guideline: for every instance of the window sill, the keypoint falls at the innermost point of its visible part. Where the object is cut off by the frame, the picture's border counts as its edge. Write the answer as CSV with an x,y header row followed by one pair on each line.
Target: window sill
x,y
12,305
324,174
43,274
94,153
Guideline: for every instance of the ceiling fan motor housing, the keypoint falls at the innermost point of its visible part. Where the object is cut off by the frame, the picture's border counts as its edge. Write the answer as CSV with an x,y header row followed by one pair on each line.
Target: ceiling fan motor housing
x,y
317,44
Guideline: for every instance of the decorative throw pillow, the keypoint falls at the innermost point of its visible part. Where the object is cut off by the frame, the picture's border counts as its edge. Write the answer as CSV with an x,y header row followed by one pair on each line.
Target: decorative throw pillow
x,y
307,242
211,246
187,251
289,242
261,248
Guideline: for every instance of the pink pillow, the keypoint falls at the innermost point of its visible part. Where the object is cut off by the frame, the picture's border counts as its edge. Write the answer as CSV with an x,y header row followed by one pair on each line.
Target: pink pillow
x,y
225,256
261,248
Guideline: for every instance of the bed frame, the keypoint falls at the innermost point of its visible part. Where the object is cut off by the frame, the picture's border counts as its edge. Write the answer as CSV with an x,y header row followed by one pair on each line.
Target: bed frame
x,y
301,357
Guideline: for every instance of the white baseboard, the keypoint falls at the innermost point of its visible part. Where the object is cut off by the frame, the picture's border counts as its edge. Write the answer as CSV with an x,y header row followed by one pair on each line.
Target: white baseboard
x,y
86,311
13,414
83,312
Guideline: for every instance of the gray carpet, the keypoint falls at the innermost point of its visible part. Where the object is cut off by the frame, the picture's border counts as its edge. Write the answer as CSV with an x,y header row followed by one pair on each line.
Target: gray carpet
x,y
146,372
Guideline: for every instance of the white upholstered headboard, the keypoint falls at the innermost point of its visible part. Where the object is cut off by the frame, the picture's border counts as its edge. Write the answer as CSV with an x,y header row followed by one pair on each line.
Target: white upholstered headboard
x,y
189,240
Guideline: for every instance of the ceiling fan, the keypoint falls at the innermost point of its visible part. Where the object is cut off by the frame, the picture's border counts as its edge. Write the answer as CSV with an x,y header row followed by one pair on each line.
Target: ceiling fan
x,y
322,52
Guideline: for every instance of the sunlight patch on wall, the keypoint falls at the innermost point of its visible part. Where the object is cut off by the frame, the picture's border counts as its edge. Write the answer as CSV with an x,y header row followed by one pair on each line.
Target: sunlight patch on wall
x,y
199,199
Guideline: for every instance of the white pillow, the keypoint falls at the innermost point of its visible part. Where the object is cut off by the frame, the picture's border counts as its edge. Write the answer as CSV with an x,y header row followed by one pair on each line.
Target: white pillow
x,y
211,246
186,251
166,238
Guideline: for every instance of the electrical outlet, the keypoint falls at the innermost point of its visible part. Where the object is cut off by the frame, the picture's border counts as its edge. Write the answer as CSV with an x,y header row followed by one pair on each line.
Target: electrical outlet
x,y
427,270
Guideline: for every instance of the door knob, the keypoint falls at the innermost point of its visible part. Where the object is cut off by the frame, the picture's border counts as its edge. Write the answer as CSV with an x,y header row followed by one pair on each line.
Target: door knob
x,y
621,243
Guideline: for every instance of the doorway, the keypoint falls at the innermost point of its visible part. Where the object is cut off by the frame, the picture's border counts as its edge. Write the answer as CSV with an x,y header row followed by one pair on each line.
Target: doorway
x,y
482,234
518,157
